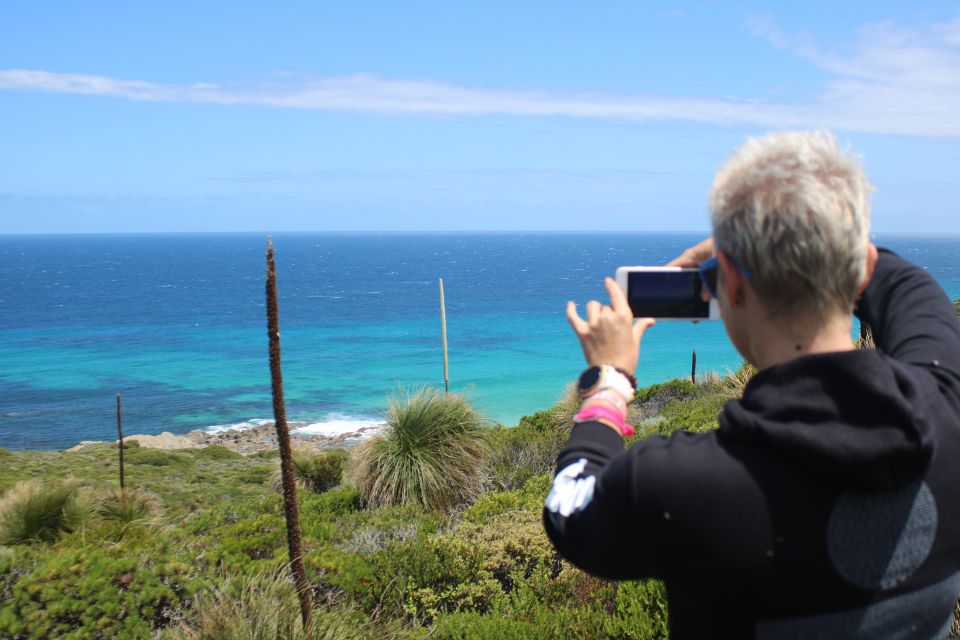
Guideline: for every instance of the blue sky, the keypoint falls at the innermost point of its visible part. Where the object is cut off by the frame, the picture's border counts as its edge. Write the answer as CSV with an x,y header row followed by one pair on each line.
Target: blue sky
x,y
120,117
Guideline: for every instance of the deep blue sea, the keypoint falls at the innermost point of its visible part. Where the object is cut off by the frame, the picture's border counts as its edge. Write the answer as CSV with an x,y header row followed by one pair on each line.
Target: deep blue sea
x,y
176,324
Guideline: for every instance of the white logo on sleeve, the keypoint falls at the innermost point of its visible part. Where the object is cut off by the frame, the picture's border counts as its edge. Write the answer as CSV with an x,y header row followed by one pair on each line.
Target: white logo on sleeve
x,y
570,493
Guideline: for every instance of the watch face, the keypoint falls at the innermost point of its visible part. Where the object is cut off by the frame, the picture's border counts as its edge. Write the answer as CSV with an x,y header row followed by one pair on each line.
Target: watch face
x,y
589,377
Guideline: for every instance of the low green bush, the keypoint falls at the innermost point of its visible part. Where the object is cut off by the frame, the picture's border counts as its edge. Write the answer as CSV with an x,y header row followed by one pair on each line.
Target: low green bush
x,y
435,574
6,559
334,503
262,607
215,452
695,414
470,625
650,401
250,544
254,475
35,511
519,454
104,592
317,472
156,458
266,454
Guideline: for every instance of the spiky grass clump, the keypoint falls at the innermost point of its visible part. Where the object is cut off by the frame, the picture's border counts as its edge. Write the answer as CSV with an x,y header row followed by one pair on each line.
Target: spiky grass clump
x,y
260,607
431,452
34,511
734,383
566,407
128,506
866,341
317,472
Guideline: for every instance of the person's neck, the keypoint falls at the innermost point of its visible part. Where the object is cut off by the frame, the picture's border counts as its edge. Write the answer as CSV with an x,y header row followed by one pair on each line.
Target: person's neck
x,y
775,341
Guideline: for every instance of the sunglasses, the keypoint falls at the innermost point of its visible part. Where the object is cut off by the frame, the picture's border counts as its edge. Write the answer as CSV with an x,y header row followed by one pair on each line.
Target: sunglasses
x,y
708,273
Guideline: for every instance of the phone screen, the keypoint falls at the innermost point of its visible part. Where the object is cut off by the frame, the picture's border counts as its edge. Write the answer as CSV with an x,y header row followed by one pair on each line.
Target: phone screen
x,y
666,294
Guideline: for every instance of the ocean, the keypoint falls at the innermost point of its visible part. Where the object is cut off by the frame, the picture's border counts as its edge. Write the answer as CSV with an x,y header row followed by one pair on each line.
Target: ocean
x,y
176,324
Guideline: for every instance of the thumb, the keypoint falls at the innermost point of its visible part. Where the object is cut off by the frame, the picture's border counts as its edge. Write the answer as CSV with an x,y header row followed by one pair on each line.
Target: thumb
x,y
640,327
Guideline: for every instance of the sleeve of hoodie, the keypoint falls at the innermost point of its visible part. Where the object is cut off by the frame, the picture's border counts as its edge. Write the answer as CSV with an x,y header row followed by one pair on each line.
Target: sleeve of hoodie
x,y
638,513
588,506
911,318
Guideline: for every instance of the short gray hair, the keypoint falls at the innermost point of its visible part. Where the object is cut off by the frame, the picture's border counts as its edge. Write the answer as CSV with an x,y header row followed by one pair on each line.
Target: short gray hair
x,y
794,210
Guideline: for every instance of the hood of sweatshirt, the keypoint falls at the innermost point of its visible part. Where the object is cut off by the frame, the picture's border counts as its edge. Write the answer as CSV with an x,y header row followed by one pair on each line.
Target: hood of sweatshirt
x,y
855,416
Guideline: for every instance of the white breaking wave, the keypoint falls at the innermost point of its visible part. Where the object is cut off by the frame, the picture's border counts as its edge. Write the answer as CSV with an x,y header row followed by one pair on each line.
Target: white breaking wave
x,y
237,426
334,424
337,424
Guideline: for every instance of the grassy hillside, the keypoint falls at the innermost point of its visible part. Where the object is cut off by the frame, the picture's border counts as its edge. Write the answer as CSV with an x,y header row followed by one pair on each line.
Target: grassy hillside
x,y
203,555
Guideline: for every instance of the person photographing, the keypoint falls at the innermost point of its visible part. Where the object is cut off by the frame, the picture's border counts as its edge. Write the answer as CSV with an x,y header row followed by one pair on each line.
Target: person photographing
x,y
827,503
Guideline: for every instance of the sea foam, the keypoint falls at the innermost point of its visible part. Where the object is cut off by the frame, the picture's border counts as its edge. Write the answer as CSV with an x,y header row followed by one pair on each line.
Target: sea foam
x,y
237,426
338,424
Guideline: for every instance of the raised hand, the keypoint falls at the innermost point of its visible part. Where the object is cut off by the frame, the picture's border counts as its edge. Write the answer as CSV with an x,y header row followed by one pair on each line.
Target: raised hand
x,y
609,335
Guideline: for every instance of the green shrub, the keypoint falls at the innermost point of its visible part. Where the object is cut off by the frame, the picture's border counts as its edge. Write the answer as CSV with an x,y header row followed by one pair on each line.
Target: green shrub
x,y
696,415
254,475
650,401
317,472
127,444
430,575
4,453
262,607
529,449
431,453
520,453
334,503
249,544
474,626
266,454
156,458
215,452
108,592
41,511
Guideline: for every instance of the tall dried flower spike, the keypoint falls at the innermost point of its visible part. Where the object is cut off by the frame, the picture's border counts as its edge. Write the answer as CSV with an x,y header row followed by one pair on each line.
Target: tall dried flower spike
x,y
290,506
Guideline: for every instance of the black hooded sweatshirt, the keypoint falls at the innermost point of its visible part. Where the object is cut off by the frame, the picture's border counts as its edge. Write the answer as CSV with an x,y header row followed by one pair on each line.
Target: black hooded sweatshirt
x,y
826,505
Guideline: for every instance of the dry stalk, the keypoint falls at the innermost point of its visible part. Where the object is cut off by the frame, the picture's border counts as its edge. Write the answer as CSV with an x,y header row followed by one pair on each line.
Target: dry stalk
x,y
120,442
290,506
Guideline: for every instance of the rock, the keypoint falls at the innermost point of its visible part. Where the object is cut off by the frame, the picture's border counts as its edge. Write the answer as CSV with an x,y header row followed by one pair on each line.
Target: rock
x,y
247,441
83,444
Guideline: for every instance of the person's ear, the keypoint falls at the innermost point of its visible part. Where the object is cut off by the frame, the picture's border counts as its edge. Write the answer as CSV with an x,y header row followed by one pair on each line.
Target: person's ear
x,y
734,282
871,264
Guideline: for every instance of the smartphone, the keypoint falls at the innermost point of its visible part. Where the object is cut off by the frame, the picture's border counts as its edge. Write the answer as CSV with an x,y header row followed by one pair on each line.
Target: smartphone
x,y
666,293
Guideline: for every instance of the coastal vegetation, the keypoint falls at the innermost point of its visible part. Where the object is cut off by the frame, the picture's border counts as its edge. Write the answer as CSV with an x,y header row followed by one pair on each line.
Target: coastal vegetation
x,y
431,453
195,547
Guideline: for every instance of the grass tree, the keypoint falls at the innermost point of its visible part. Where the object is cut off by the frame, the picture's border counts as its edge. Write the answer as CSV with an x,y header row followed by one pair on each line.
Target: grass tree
x,y
431,452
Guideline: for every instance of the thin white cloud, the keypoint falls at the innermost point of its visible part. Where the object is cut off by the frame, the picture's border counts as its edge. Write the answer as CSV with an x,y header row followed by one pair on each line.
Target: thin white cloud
x,y
894,81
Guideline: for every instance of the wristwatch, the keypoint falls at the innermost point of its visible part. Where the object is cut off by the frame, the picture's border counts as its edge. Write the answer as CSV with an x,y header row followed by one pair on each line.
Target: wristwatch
x,y
605,376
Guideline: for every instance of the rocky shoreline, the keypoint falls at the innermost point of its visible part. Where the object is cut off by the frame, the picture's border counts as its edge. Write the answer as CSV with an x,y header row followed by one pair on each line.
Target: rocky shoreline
x,y
245,441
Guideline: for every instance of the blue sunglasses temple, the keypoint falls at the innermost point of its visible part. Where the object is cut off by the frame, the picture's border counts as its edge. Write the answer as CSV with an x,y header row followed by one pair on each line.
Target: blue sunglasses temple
x,y
711,264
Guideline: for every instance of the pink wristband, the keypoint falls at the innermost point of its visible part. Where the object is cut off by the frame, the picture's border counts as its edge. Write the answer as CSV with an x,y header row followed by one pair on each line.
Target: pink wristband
x,y
606,413
611,397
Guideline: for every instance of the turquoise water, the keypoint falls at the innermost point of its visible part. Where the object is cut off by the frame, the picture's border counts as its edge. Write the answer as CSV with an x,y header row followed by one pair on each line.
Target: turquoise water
x,y
176,324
